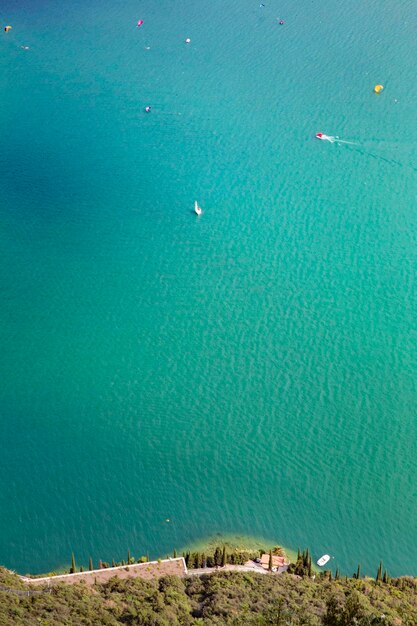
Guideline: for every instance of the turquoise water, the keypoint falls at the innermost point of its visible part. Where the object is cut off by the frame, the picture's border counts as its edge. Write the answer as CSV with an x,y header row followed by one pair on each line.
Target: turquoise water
x,y
249,372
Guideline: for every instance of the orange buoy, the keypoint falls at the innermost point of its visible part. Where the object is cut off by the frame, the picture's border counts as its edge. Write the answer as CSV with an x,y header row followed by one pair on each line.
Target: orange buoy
x,y
378,88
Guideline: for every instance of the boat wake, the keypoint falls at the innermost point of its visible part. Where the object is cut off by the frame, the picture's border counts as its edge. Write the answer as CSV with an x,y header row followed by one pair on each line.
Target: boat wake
x,y
351,143
369,148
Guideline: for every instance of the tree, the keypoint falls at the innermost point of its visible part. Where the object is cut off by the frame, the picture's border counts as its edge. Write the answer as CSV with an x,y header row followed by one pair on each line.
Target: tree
x,y
217,557
128,556
175,554
270,561
223,561
337,574
379,573
353,612
358,571
73,566
385,577
275,615
90,564
333,612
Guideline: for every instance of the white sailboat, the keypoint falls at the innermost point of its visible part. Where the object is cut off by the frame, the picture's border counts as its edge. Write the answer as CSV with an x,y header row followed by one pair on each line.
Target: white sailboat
x,y
198,210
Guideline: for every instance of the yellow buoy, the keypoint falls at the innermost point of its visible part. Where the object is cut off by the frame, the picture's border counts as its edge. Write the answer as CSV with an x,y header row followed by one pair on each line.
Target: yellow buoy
x,y
7,28
378,88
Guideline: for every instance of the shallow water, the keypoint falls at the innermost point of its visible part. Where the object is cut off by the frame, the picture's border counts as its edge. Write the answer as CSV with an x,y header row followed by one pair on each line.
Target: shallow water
x,y
251,371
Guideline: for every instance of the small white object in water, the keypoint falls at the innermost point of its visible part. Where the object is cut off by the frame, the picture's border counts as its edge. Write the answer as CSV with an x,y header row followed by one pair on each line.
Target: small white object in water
x,y
188,40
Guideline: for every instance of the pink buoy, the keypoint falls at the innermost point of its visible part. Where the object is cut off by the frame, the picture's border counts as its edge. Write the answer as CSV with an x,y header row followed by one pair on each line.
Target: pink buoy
x,y
140,22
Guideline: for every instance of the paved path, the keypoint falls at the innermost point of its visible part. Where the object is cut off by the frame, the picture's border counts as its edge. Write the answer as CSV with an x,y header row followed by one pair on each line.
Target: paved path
x,y
149,570
249,566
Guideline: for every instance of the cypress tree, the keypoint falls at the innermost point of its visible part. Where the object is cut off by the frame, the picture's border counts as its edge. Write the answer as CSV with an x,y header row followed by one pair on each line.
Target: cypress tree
x,y
379,573
217,557
309,567
385,577
358,571
270,561
203,560
330,575
90,564
298,554
223,562
81,569
337,574
128,556
175,554
113,563
73,566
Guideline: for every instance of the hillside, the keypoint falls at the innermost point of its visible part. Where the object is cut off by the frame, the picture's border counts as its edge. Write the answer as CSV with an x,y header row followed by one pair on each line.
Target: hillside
x,y
230,598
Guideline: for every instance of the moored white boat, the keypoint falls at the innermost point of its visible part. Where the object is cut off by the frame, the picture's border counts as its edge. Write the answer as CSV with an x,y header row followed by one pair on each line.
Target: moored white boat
x,y
323,560
198,210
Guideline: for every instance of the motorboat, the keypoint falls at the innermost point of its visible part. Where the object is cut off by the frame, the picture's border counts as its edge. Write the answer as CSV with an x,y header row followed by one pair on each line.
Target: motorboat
x,y
323,560
197,209
324,137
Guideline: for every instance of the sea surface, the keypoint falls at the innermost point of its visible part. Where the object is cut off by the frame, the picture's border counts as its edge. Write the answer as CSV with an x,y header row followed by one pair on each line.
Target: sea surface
x,y
166,378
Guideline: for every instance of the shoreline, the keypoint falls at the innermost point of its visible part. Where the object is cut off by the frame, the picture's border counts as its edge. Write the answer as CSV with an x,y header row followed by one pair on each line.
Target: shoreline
x,y
236,545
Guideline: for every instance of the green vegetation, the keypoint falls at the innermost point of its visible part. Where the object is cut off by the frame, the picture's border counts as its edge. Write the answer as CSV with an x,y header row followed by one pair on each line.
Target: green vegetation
x,y
302,566
221,598
232,543
222,556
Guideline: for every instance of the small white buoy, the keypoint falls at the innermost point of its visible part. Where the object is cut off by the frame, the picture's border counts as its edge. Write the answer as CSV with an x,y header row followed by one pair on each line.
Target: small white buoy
x,y
188,40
